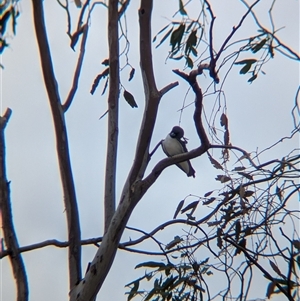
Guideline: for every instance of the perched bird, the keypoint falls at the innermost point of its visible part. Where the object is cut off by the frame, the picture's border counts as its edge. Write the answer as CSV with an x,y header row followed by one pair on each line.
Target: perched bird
x,y
174,145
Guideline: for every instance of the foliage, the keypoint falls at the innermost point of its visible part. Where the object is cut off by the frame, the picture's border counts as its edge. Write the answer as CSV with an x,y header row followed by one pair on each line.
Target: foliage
x,y
249,221
9,13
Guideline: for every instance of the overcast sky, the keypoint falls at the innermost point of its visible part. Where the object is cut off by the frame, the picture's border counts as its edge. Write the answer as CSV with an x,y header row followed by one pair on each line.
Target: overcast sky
x,y
259,115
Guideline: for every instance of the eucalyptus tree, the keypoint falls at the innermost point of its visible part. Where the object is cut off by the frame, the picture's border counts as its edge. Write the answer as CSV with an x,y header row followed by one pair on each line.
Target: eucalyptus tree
x,y
250,204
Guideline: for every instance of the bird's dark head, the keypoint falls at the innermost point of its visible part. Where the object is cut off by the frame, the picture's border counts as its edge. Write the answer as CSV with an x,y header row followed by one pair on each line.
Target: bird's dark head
x,y
177,132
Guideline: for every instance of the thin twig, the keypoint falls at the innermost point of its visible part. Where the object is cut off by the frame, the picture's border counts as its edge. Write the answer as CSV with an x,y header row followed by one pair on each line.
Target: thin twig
x,y
77,72
234,29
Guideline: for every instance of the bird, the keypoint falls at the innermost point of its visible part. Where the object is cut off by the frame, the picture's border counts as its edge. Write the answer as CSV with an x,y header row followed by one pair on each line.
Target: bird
x,y
173,145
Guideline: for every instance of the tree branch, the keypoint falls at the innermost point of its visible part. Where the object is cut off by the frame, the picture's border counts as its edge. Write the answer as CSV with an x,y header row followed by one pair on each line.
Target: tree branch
x,y
51,242
167,88
264,271
10,236
152,95
62,146
212,70
77,72
293,55
234,29
87,288
191,78
113,112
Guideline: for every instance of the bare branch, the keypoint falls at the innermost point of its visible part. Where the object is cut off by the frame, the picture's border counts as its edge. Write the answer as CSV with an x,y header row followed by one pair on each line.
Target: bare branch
x,y
167,88
296,109
152,95
155,148
52,242
191,78
61,144
123,8
113,114
234,29
5,118
10,236
66,8
212,71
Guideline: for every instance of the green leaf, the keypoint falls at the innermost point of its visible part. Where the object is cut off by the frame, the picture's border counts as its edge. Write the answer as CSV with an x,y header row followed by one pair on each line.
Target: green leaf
x,y
275,268
97,80
219,238
242,244
208,193
252,78
205,261
271,51
154,39
237,229
298,261
245,69
131,74
150,295
176,58
194,51
168,282
296,244
150,264
4,19
209,201
164,37
176,36
223,178
259,45
174,242
130,99
248,193
193,206
134,289
14,17
215,163
178,208
226,137
191,41
189,62
270,289
246,61
224,121
78,3
239,168
105,86
181,8
105,62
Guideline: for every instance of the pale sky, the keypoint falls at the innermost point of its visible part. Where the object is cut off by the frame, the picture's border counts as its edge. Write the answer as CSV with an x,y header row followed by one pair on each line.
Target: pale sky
x,y
259,115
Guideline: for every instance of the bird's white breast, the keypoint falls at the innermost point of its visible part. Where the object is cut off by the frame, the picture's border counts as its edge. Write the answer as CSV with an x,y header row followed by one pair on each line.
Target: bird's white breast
x,y
172,146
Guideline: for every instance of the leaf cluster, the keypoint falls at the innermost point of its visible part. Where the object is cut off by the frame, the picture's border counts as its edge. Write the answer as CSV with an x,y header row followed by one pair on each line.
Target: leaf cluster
x,y
9,14
171,282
